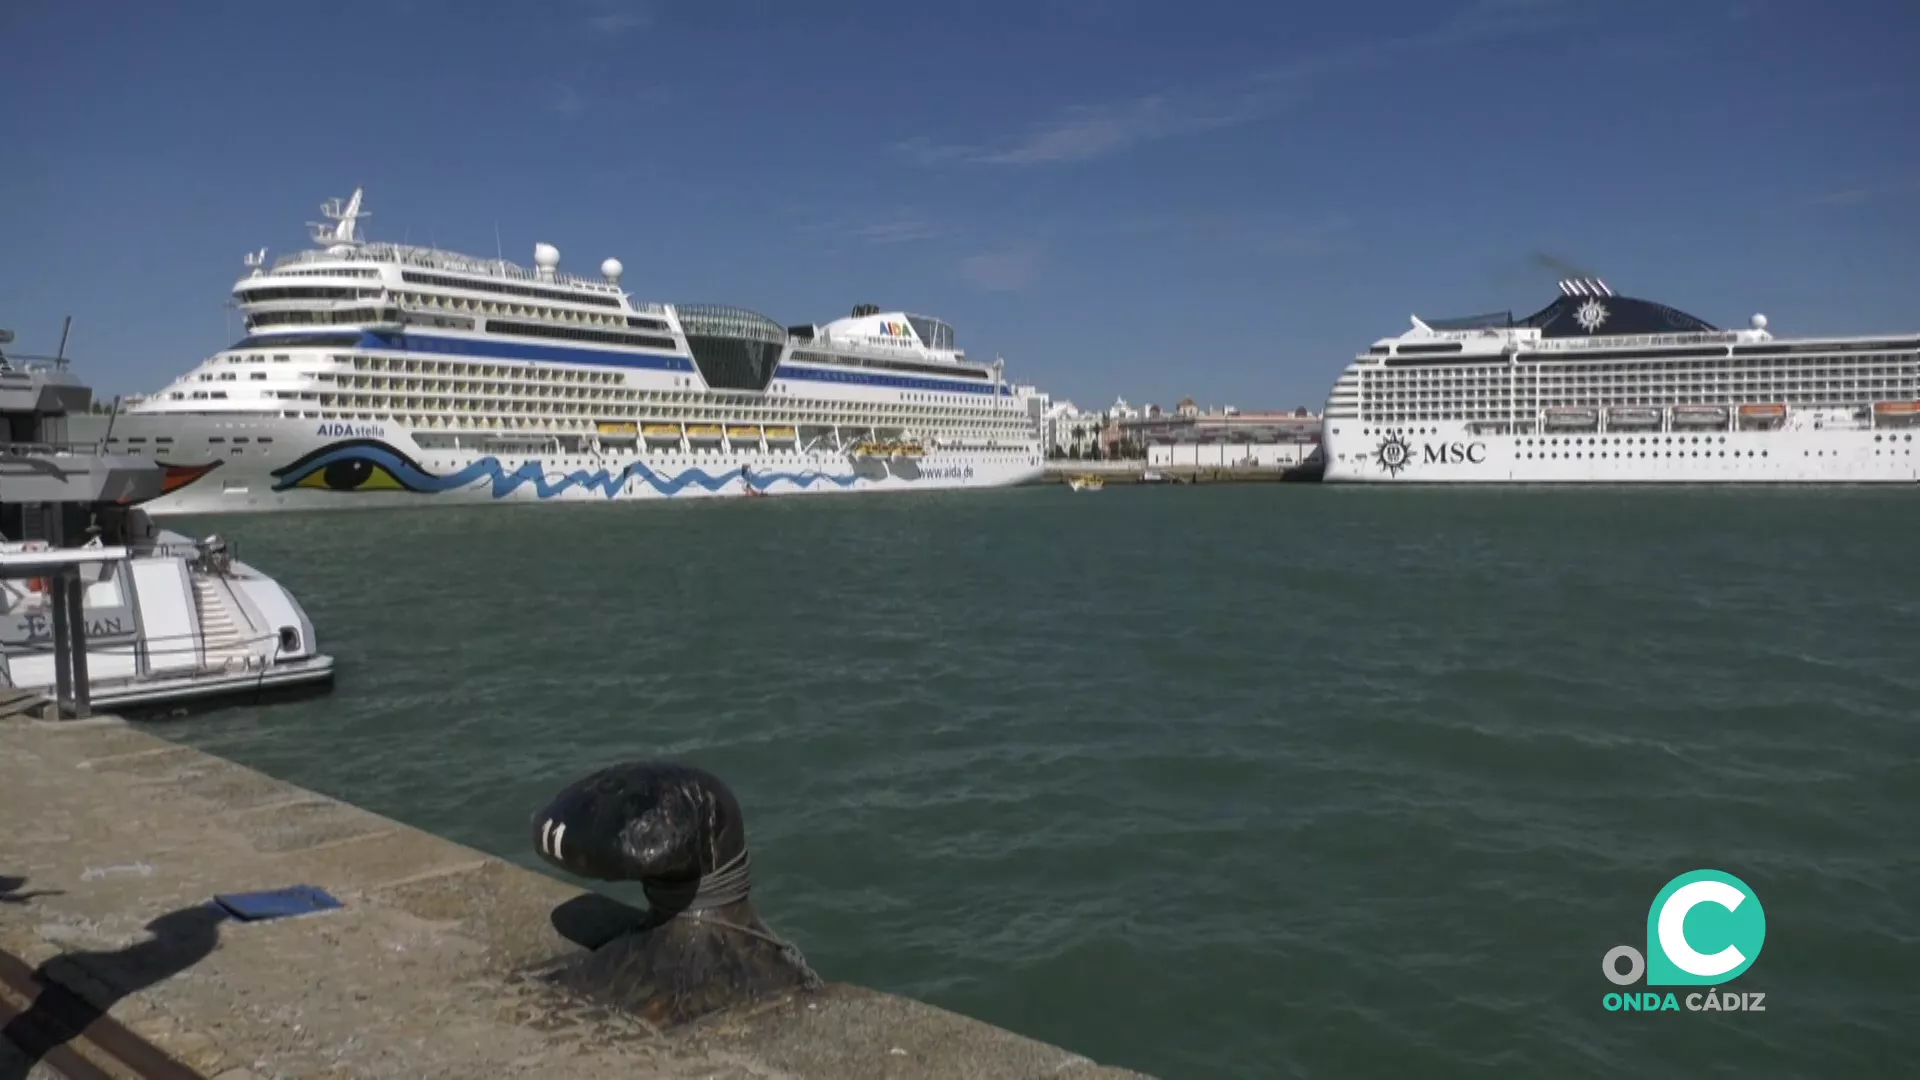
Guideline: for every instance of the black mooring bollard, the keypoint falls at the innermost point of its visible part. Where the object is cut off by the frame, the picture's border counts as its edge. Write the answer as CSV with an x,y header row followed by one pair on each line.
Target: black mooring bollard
x,y
678,831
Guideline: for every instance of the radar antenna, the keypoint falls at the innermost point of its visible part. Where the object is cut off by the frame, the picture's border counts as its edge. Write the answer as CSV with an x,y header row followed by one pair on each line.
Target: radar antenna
x,y
344,234
254,260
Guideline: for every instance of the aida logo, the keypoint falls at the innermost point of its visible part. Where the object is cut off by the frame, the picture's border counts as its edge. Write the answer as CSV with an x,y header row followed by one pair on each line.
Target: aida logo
x,y
894,329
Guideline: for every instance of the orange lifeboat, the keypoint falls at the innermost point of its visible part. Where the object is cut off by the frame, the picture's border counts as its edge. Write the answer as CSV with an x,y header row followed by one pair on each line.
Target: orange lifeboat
x,y
1763,412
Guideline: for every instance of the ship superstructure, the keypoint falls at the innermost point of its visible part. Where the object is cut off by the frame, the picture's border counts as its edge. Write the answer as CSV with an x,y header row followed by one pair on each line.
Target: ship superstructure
x,y
377,373
1602,388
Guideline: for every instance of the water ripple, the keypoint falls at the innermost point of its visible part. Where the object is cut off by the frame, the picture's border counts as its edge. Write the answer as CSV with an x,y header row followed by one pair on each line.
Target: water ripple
x,y
1210,782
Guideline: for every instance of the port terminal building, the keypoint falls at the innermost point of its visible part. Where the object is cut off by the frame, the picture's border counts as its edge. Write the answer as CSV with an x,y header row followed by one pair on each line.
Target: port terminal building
x,y
1224,438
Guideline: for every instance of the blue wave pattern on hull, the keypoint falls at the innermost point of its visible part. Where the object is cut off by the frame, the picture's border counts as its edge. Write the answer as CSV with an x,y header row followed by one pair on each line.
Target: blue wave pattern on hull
x,y
611,484
396,472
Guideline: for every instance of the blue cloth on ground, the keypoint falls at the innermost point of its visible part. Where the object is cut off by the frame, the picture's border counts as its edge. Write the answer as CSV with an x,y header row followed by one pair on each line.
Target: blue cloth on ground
x,y
276,903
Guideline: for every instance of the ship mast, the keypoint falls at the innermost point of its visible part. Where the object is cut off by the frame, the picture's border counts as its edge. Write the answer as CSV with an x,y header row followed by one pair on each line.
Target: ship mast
x,y
343,235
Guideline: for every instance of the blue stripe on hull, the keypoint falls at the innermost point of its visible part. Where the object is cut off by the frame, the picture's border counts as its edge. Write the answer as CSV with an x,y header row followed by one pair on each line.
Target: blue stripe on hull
x,y
899,382
497,349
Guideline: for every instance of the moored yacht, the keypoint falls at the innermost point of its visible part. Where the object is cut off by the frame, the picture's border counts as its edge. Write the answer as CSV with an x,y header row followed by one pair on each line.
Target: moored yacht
x,y
98,607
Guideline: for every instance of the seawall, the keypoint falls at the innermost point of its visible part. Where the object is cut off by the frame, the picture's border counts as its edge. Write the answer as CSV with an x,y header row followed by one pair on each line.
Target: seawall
x,y
113,841
1135,472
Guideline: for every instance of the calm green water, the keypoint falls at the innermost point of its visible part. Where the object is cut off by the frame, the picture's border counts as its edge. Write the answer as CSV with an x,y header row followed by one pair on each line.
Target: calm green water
x,y
1210,782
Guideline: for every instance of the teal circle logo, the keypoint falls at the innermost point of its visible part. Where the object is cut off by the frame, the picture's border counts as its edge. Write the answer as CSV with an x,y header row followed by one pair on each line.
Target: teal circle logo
x,y
1704,927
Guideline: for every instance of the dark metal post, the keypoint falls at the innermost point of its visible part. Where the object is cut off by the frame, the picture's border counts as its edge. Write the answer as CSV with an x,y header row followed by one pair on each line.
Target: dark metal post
x,y
62,677
77,642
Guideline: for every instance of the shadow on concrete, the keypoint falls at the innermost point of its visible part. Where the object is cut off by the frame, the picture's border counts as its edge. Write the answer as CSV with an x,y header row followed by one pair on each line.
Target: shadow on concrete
x,y
10,891
591,920
58,1015
671,969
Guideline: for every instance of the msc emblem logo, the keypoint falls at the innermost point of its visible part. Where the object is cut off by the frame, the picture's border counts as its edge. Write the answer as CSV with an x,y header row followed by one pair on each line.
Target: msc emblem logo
x,y
1591,315
1393,454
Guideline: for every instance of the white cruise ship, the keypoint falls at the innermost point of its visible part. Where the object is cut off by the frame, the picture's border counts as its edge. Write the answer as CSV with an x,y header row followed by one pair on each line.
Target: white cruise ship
x,y
377,374
1602,388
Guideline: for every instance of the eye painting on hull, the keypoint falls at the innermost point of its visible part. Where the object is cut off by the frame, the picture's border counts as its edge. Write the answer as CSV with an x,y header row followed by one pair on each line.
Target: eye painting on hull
x,y
369,465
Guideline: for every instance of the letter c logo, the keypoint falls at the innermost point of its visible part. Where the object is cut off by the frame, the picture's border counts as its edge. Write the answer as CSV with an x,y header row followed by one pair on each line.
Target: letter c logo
x,y
1673,934
1726,917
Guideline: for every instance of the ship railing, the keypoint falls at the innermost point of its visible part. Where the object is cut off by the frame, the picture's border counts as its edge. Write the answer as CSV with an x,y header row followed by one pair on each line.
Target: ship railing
x,y
338,303
431,259
1719,337
53,449
18,364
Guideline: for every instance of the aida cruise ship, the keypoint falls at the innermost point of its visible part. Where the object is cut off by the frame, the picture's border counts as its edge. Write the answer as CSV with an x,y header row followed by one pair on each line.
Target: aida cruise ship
x,y
1602,388
378,374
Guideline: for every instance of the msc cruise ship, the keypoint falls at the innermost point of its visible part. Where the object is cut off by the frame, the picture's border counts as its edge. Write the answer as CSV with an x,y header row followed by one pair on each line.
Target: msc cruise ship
x,y
377,374
1602,388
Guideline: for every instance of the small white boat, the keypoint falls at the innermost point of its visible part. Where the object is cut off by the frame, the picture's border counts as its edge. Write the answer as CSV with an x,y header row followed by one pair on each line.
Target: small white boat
x,y
1086,483
1699,416
1564,418
166,621
1632,418
98,608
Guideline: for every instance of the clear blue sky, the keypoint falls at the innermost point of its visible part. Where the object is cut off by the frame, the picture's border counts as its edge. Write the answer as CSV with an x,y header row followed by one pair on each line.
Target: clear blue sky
x,y
1119,196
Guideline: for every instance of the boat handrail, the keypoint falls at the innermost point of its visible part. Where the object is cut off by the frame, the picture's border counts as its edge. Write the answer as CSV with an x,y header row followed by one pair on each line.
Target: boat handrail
x,y
142,644
94,448
25,364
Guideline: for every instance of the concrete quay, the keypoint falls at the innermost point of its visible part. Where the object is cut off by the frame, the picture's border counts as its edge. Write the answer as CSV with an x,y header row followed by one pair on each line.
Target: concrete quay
x,y
114,965
1134,472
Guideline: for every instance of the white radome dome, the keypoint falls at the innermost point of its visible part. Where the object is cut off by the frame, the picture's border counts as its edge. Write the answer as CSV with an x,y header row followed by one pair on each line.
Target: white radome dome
x,y
546,256
611,269
1759,322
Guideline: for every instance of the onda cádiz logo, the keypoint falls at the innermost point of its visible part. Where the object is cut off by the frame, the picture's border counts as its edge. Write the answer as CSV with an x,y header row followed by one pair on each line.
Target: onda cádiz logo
x,y
1704,929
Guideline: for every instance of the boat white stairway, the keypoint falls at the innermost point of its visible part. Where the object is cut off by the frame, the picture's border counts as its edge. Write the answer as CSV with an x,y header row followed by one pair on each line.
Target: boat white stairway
x,y
222,642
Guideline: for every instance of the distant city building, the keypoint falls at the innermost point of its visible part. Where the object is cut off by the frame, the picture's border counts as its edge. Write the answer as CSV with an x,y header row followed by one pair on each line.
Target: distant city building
x,y
1123,430
1227,424
1074,432
1229,455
